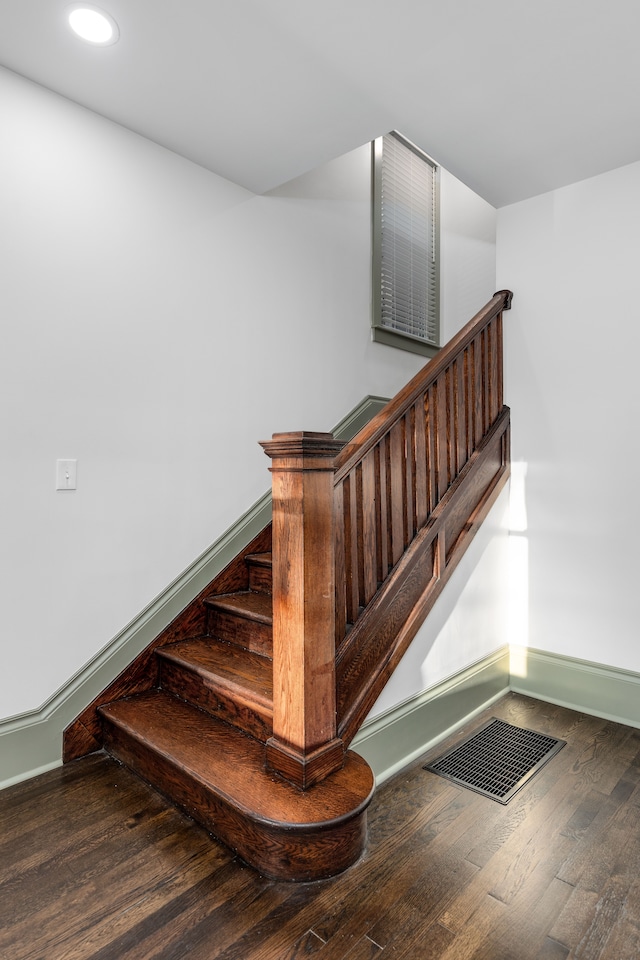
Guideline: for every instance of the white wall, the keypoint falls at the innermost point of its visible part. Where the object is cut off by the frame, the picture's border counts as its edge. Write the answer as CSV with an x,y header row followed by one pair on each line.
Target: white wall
x,y
571,257
158,322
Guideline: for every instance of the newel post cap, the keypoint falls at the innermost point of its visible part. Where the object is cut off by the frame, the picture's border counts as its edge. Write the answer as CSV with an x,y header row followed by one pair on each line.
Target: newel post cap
x,y
301,444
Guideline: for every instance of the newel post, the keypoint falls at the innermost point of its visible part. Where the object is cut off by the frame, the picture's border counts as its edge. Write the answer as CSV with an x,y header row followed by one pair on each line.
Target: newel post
x,y
304,748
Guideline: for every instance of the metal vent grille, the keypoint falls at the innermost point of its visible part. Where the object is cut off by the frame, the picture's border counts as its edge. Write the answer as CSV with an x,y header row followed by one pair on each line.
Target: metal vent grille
x,y
497,760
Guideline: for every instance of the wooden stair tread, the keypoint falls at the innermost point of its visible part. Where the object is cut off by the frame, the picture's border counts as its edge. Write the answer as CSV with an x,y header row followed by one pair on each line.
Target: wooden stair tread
x,y
250,605
259,559
225,666
231,764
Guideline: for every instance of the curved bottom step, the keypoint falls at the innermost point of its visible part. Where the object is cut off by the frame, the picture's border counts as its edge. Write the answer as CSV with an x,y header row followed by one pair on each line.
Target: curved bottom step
x,y
216,775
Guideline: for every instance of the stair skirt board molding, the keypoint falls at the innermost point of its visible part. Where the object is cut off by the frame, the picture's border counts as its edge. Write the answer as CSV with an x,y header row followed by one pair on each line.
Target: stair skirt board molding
x,y
396,738
31,743
594,688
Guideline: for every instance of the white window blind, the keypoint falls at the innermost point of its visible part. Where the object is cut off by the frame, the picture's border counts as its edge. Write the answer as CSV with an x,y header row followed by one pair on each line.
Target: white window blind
x,y
405,243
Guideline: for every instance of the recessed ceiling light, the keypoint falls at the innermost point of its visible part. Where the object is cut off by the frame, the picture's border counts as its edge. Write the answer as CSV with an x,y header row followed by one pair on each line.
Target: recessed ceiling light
x,y
93,24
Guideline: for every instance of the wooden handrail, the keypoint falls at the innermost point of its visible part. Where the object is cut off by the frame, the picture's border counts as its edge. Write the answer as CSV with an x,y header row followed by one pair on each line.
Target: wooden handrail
x,y
377,426
364,538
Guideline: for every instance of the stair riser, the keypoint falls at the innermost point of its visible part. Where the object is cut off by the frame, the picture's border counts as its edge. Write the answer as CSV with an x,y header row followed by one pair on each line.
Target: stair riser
x,y
303,853
225,705
249,634
260,579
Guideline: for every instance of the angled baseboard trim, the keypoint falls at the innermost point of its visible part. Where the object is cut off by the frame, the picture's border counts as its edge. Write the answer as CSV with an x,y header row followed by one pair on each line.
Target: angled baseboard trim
x,y
32,742
394,739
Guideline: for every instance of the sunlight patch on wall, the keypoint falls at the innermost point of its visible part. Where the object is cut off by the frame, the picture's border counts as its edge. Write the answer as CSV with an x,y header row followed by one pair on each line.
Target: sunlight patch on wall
x,y
518,605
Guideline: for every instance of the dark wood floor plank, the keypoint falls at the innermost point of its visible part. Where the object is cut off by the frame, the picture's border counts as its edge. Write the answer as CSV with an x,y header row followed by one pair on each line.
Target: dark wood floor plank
x,y
592,860
94,865
423,941
602,922
623,943
552,950
508,868
516,935
415,877
307,945
574,918
97,904
161,926
471,938
364,949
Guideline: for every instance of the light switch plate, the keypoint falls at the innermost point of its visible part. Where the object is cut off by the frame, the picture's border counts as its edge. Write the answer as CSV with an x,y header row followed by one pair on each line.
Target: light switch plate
x,y
66,474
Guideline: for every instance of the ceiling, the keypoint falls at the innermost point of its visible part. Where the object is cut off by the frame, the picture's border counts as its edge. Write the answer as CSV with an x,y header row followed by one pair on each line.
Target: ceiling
x,y
515,98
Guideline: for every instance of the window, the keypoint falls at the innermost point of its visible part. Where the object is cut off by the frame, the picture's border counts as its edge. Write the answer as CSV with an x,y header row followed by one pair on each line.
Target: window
x,y
405,246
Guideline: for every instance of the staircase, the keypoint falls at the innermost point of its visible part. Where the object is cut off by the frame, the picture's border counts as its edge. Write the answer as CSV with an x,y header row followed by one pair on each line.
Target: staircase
x,y
199,738
241,712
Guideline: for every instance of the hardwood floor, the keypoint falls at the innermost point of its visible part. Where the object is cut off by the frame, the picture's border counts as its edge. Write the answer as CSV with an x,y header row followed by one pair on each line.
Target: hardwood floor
x,y
95,866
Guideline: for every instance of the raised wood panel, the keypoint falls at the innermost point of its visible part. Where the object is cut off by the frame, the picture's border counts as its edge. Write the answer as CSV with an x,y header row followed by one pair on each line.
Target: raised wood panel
x,y
460,514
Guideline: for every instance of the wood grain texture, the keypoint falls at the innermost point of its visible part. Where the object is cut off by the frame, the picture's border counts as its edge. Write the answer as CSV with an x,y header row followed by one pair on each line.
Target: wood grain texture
x,y
244,619
95,866
84,734
217,775
277,664
231,684
304,606
375,645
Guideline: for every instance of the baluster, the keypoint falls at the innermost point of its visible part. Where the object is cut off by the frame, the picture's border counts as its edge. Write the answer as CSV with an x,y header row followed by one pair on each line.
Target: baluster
x,y
382,535
430,427
441,446
410,477
397,490
341,576
499,364
369,546
451,426
468,398
460,413
486,381
477,392
495,405
421,483
351,546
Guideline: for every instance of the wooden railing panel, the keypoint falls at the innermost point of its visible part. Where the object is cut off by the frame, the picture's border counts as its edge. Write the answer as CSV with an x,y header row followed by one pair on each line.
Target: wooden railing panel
x,y
404,498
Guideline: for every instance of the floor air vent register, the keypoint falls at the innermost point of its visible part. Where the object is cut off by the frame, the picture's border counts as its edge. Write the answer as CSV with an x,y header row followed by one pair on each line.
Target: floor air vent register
x,y
497,760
